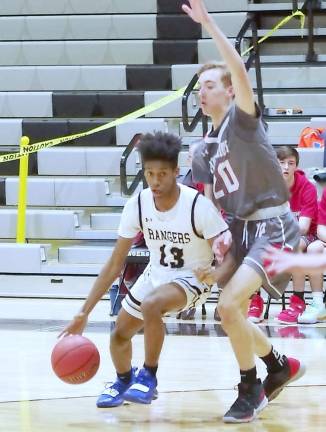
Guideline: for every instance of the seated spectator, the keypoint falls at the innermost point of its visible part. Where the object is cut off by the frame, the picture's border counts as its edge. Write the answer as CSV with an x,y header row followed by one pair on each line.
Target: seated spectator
x,y
303,202
316,311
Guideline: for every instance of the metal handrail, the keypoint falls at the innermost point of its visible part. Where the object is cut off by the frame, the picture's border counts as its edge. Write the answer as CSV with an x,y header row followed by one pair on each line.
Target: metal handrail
x,y
125,189
189,127
254,56
245,26
310,6
294,5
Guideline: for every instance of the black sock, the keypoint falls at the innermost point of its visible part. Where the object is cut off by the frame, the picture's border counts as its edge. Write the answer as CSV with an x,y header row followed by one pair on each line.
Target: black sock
x,y
274,361
299,294
249,376
125,377
151,369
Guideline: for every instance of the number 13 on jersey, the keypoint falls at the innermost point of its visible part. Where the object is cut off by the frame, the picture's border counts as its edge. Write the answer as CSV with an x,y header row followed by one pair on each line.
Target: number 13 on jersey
x,y
171,258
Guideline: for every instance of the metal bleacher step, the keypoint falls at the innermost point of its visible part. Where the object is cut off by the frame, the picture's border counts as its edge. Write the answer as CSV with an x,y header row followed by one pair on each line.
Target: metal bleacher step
x,y
53,267
269,7
65,192
292,32
88,233
104,221
85,254
40,223
50,284
288,58
276,6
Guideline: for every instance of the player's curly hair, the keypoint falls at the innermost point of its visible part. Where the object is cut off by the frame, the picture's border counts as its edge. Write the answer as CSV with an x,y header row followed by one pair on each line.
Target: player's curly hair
x,y
160,146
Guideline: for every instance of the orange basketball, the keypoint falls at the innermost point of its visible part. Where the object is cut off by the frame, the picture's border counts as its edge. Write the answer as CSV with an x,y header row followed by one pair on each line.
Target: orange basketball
x,y
75,359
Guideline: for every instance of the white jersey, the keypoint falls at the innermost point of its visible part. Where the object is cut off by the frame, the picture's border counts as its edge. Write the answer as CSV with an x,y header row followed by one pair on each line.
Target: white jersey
x,y
176,239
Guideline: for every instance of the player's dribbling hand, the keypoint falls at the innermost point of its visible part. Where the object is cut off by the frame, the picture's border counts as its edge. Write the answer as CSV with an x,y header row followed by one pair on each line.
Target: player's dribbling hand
x,y
221,245
197,11
76,326
205,275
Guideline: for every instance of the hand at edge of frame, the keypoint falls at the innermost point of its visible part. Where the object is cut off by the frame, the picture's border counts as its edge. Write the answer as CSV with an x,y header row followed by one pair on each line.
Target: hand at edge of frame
x,y
197,11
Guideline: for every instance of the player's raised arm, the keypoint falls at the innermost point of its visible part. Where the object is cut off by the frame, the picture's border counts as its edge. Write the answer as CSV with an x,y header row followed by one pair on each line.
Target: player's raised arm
x,y
244,96
107,276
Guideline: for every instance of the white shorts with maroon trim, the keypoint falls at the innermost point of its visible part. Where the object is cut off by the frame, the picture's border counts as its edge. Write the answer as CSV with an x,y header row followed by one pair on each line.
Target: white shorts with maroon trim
x,y
196,292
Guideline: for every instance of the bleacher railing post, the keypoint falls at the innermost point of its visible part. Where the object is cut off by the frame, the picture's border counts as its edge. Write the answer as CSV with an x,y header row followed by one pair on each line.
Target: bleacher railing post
x,y
22,192
125,188
311,55
259,81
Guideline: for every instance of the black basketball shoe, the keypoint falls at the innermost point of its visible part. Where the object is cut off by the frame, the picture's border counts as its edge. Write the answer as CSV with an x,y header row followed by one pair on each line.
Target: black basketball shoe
x,y
251,400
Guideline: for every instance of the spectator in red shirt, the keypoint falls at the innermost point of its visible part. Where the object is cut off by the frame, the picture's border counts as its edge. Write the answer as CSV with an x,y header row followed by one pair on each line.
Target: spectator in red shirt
x,y
303,202
277,261
321,231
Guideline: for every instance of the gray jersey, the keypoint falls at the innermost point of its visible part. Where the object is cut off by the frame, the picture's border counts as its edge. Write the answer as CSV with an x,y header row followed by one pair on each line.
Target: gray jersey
x,y
242,166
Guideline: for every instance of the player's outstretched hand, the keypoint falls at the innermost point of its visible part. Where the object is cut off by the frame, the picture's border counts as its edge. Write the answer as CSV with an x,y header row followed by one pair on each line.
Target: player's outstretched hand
x,y
221,245
76,326
280,261
197,11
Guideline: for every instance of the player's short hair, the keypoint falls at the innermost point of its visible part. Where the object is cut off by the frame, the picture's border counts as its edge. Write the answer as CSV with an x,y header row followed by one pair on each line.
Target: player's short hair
x,y
225,76
284,152
160,146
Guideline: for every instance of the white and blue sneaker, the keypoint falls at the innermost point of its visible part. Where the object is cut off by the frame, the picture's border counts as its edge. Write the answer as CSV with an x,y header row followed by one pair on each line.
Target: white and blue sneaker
x,y
143,390
113,393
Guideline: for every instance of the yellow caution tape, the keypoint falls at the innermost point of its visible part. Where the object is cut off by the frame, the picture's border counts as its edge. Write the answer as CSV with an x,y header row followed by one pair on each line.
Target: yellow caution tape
x,y
280,24
33,148
132,116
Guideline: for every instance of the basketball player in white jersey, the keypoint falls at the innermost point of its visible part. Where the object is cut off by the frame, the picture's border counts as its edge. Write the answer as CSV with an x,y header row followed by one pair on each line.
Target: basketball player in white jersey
x,y
241,171
179,227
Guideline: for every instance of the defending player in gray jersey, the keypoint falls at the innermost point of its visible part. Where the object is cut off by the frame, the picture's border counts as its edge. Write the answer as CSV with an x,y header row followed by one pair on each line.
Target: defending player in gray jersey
x,y
240,163
242,175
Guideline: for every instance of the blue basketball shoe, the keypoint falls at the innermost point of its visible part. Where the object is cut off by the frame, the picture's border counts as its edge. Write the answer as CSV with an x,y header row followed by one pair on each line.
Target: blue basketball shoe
x,y
143,390
113,393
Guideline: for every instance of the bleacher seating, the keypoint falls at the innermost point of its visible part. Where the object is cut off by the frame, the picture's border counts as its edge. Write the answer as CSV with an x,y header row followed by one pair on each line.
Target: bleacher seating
x,y
41,224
